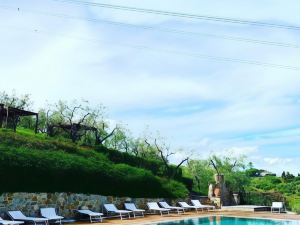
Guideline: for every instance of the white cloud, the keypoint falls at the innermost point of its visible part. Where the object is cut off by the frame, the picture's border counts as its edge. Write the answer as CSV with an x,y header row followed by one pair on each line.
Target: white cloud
x,y
197,104
278,165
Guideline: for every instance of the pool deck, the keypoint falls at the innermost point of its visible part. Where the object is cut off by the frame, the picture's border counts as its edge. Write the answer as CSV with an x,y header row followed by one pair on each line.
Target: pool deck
x,y
150,219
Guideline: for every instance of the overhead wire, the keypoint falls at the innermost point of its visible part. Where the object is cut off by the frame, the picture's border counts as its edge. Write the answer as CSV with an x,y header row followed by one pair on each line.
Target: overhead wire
x,y
170,51
182,15
160,29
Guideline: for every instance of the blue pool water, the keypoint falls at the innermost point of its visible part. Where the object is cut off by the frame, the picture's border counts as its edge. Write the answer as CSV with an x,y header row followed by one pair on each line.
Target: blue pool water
x,y
222,220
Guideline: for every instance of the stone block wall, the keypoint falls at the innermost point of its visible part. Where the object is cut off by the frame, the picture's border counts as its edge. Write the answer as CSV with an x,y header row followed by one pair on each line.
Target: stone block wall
x,y
65,203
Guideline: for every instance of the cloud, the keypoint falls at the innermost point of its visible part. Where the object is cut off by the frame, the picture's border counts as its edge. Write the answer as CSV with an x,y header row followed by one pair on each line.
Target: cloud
x,y
198,104
278,165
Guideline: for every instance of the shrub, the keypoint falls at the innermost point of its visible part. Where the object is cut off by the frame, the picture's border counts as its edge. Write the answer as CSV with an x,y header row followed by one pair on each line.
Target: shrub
x,y
29,141
262,198
46,166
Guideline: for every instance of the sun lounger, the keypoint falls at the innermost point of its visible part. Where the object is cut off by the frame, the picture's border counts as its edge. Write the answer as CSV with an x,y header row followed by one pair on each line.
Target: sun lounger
x,y
187,206
9,222
199,204
93,216
165,205
153,206
277,206
132,207
112,209
51,215
19,216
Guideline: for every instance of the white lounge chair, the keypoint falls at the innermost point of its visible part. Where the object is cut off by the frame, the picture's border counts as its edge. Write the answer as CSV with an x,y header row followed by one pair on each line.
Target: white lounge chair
x,y
277,206
165,205
187,206
51,215
9,222
198,203
111,208
132,207
93,216
19,216
153,206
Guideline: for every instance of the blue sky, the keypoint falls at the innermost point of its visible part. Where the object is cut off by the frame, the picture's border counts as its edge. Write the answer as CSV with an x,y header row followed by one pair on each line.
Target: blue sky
x,y
197,104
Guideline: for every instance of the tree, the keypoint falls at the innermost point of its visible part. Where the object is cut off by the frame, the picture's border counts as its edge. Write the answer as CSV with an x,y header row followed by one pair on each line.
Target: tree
x,y
288,177
72,118
253,172
226,164
202,174
233,169
164,152
13,100
119,139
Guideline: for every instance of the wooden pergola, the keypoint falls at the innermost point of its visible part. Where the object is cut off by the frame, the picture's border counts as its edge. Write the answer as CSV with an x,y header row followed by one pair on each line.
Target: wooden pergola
x,y
12,116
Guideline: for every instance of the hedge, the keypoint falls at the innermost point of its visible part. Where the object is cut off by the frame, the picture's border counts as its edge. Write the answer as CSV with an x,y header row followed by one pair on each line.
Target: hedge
x,y
262,198
9,138
34,170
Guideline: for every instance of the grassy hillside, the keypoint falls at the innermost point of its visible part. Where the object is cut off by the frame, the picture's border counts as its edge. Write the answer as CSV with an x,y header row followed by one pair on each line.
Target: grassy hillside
x,y
35,163
274,187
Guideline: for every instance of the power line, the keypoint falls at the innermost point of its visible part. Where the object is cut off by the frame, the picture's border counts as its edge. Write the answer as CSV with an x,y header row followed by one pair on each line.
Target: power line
x,y
182,15
170,51
160,29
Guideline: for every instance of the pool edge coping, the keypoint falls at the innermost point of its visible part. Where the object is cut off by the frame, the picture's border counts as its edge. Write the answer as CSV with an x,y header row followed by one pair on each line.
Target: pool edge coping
x,y
222,215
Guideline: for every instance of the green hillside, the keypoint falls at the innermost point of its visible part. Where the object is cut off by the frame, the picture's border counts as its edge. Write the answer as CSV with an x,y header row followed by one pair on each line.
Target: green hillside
x,y
36,163
264,190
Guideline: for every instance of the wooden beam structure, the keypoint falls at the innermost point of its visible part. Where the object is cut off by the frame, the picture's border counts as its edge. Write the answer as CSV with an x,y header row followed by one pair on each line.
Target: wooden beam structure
x,y
12,115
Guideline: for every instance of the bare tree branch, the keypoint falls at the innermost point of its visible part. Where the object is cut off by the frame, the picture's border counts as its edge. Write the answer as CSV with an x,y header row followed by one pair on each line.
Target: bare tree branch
x,y
215,167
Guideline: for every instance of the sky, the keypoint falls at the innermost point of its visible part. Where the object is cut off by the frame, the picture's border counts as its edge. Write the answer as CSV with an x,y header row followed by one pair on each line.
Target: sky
x,y
157,80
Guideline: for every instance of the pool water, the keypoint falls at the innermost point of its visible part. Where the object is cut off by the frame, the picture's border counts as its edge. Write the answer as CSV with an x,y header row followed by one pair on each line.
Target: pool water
x,y
223,220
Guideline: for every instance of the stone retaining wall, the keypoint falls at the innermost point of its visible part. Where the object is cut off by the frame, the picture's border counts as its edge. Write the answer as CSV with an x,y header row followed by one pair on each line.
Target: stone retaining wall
x,y
30,203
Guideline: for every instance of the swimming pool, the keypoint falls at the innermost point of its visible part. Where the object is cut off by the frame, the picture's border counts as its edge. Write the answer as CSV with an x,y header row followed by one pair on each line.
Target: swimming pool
x,y
223,220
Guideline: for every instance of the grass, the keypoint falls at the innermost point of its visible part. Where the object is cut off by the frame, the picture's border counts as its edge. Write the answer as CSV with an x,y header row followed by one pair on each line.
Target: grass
x,y
37,163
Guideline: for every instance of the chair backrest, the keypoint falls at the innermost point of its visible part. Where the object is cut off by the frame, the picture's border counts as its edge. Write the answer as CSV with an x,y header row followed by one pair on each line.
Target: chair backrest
x,y
48,212
196,202
16,215
153,205
84,211
130,206
277,204
183,204
110,207
164,204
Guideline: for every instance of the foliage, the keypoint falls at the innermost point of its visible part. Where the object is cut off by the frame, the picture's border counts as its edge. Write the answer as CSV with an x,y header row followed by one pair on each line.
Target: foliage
x,y
286,176
289,189
39,163
202,174
262,198
294,203
233,169
15,101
